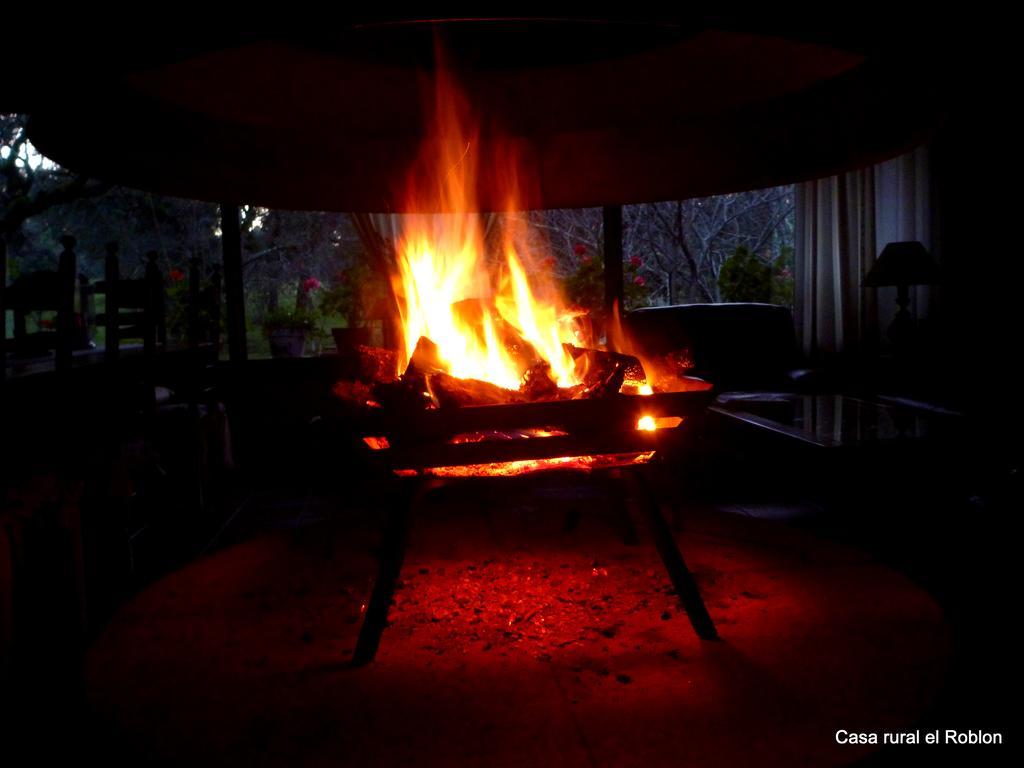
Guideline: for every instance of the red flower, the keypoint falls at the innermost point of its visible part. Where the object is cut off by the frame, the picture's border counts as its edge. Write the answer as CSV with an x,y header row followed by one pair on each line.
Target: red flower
x,y
176,275
310,284
636,262
579,249
639,280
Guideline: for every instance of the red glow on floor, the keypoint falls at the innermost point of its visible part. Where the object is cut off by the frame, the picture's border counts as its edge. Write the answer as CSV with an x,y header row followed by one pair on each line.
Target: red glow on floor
x,y
514,641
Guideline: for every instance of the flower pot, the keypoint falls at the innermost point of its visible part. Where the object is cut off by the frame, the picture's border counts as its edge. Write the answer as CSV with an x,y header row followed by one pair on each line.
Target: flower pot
x,y
346,339
287,342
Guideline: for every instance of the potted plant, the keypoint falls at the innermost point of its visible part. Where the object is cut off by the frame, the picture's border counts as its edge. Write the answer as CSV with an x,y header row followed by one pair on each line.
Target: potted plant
x,y
288,329
345,300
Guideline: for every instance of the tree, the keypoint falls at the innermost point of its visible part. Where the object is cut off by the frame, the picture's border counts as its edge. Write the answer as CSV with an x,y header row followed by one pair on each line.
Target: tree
x,y
286,252
31,185
744,277
40,201
674,251
688,241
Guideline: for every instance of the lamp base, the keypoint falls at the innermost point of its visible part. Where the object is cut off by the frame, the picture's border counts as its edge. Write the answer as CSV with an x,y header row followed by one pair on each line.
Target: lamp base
x,y
902,330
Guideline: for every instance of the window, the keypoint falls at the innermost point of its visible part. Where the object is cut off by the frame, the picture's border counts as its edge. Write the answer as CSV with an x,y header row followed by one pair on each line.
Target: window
x,y
312,270
732,247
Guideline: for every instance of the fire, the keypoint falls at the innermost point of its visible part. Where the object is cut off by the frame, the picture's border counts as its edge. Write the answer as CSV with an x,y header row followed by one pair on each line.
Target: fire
x,y
473,294
531,466
646,424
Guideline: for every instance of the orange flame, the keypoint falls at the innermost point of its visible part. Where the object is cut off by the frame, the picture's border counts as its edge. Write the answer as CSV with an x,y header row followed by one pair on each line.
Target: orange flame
x,y
490,314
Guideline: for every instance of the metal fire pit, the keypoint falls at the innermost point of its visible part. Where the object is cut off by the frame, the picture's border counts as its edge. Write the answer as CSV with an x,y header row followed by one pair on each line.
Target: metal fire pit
x,y
412,449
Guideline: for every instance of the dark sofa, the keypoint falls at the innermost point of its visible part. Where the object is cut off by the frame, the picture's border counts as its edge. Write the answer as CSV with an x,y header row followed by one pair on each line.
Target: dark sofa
x,y
741,346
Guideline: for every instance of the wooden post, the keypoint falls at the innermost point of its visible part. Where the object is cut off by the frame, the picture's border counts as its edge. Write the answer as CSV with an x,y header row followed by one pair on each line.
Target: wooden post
x,y
66,303
111,307
3,310
87,310
194,294
152,322
231,237
613,289
214,309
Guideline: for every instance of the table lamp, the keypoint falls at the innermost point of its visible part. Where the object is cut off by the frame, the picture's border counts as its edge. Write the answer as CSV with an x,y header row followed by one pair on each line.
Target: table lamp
x,y
902,264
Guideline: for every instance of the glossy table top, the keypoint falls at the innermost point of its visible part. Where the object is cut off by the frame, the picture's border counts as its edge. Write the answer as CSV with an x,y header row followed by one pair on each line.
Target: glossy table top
x,y
835,420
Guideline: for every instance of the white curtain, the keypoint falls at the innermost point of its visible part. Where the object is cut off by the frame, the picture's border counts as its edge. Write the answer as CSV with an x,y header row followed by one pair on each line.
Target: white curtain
x,y
842,224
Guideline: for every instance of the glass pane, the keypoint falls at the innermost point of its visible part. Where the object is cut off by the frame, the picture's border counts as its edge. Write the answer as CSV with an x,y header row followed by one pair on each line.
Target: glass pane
x,y
733,247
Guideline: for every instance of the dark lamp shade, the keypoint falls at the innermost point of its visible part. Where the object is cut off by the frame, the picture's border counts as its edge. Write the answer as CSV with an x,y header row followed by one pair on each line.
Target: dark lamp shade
x,y
904,263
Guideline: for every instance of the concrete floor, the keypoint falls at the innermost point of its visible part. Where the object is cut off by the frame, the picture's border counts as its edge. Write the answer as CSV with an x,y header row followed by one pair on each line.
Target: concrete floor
x,y
514,641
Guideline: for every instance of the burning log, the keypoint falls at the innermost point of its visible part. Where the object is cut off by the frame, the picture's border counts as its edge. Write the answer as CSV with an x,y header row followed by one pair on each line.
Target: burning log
x,y
595,365
474,312
603,372
425,359
672,372
408,394
426,383
607,381
371,380
538,384
374,364
453,392
426,366
354,393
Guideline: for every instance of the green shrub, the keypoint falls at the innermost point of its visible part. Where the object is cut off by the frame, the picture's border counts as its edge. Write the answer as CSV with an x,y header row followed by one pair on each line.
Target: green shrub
x,y
744,277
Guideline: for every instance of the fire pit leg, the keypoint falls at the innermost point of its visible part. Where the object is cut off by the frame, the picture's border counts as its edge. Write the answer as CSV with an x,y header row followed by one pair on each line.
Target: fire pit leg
x,y
613,487
678,573
404,495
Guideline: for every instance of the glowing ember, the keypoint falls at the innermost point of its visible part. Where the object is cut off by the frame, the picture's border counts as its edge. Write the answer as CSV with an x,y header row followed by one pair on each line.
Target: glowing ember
x,y
518,434
668,422
377,443
631,386
528,466
651,423
490,314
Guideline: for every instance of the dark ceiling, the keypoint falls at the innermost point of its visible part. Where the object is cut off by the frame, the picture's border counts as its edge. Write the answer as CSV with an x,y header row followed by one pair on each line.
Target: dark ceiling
x,y
327,112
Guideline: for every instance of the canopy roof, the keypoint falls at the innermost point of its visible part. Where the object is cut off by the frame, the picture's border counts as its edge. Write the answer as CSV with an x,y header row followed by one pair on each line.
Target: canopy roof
x,y
327,113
